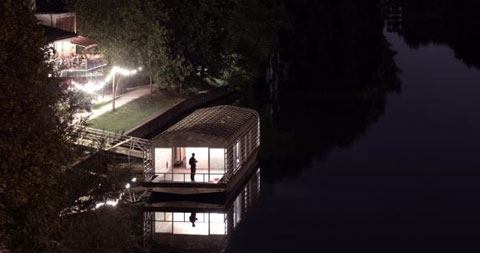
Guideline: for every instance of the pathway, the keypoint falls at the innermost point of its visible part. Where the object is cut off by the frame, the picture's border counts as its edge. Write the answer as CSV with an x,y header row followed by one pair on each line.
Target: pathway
x,y
122,100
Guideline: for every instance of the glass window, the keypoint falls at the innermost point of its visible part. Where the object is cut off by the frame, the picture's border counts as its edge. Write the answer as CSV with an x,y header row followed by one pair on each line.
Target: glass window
x,y
236,155
163,160
201,155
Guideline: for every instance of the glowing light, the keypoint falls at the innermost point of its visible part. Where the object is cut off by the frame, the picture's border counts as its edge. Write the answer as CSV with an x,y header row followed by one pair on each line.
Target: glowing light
x,y
91,87
127,186
108,203
112,202
134,179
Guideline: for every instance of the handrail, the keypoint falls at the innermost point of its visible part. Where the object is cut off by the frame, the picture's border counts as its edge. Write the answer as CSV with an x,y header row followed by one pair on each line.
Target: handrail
x,y
119,143
185,177
112,140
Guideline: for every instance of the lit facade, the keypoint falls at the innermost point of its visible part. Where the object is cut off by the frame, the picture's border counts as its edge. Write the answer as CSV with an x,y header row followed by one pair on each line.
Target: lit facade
x,y
194,225
225,139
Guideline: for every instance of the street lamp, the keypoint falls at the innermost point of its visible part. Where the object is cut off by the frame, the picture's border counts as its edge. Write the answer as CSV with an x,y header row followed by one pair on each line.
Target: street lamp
x,y
91,87
124,72
113,92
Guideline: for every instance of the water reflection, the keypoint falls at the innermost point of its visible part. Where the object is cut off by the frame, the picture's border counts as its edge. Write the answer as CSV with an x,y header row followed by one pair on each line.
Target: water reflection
x,y
412,180
340,70
449,22
202,223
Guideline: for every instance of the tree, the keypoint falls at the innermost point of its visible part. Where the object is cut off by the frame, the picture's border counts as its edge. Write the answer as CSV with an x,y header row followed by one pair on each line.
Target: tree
x,y
131,33
182,42
35,133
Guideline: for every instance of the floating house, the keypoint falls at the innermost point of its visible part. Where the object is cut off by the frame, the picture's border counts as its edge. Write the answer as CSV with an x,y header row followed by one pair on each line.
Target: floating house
x,y
225,140
187,225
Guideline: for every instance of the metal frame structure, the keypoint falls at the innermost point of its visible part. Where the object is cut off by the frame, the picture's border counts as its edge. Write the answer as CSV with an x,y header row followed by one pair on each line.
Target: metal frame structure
x,y
118,143
214,127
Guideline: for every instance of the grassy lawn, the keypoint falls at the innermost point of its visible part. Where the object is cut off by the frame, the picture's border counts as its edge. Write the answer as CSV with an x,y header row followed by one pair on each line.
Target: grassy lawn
x,y
134,113
98,105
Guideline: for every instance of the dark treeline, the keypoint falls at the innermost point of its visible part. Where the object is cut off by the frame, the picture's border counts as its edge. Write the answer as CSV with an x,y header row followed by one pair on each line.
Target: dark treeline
x,y
340,67
182,43
450,22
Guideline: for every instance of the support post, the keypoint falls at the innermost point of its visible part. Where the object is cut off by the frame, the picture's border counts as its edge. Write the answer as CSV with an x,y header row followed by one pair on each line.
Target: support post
x,y
113,93
208,179
151,86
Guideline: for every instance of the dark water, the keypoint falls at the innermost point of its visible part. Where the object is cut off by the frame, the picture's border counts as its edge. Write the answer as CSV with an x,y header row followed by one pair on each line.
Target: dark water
x,y
413,176
374,141
392,165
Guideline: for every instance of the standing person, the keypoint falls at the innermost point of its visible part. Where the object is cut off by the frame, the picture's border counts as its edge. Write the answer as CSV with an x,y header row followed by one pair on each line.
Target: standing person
x,y
193,166
193,218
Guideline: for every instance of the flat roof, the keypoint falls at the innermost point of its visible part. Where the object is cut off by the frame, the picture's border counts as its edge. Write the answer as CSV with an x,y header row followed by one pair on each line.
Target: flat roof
x,y
215,127
54,34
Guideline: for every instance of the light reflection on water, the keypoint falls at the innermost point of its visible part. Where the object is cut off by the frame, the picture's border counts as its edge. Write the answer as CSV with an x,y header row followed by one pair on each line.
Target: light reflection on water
x,y
196,224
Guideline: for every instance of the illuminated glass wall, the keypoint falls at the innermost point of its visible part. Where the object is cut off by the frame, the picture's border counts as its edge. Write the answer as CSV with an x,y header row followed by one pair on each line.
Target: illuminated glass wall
x,y
190,223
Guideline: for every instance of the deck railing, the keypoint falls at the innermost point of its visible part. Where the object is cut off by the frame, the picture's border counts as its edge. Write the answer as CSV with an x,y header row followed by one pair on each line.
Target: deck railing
x,y
212,178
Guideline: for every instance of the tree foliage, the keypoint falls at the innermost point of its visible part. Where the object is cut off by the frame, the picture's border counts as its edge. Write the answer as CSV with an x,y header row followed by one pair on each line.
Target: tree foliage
x,y
183,41
35,132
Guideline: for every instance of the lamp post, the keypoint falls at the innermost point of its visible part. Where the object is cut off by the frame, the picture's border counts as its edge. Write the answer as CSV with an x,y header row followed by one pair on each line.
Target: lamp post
x,y
113,92
91,87
151,87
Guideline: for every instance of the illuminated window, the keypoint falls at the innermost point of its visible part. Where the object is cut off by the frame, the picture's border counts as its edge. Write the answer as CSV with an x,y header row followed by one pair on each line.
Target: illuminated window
x,y
236,155
190,223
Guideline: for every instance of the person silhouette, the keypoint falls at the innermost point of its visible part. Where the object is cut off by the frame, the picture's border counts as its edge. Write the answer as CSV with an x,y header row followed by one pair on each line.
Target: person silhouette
x,y
193,167
193,218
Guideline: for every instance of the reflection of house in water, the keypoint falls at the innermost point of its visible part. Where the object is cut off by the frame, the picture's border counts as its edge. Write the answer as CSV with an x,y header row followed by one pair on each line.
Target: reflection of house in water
x,y
75,56
198,225
225,140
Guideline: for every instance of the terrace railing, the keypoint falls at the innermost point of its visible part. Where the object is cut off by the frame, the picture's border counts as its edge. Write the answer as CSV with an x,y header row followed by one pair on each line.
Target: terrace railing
x,y
212,178
74,67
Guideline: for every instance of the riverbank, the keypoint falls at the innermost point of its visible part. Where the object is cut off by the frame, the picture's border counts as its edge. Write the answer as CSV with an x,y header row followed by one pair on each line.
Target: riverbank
x,y
135,112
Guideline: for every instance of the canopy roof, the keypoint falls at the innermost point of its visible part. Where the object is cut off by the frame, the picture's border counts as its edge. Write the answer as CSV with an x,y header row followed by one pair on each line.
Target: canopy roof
x,y
215,127
84,42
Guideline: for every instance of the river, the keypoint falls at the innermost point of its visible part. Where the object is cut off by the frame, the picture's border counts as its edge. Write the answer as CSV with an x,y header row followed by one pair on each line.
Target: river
x,y
394,171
